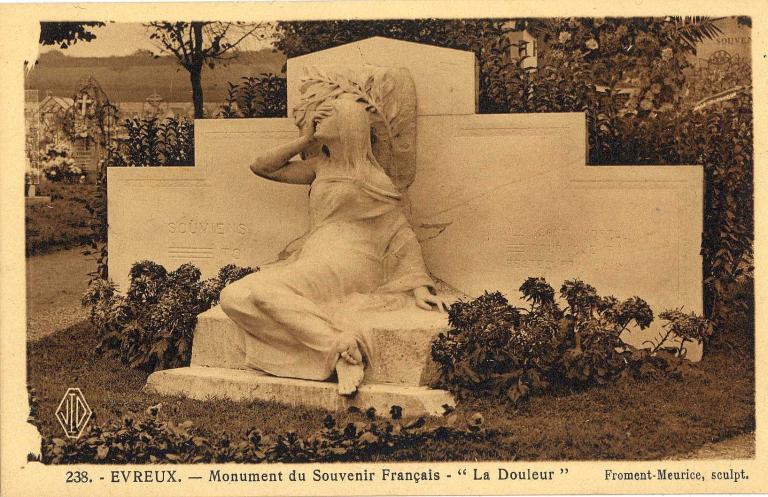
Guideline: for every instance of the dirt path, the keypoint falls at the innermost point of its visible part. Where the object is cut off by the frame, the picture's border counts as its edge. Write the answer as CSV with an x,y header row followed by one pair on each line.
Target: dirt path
x,y
738,447
55,284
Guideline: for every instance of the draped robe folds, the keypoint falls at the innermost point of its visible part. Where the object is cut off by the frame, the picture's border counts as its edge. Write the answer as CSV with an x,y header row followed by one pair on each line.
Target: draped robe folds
x,y
359,253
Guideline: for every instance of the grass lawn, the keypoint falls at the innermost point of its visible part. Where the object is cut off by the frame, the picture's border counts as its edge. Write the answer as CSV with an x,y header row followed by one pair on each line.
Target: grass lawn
x,y
64,222
628,420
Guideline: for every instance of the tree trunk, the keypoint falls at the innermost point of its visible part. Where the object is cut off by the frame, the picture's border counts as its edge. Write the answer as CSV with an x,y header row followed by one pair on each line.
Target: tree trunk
x,y
197,90
196,69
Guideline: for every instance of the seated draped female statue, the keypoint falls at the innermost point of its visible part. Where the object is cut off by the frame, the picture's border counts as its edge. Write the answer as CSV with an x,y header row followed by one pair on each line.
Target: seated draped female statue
x,y
359,243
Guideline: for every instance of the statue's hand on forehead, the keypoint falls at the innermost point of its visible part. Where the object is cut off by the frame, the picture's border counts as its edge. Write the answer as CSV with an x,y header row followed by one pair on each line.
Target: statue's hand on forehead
x,y
323,110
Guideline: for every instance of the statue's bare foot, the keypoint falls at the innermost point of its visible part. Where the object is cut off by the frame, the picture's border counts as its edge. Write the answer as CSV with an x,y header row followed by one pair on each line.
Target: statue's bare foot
x,y
349,350
350,369
350,376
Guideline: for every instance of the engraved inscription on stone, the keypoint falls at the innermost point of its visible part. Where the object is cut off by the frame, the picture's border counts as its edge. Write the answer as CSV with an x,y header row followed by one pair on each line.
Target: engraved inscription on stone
x,y
201,239
199,227
223,252
557,248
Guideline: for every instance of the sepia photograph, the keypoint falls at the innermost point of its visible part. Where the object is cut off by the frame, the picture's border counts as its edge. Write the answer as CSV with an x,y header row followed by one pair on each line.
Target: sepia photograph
x,y
398,239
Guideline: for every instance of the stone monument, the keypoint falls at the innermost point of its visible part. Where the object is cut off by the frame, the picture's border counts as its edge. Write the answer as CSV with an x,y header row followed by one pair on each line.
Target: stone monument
x,y
352,299
301,315
493,199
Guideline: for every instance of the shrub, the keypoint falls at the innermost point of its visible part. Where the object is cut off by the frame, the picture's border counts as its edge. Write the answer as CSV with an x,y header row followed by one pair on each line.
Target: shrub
x,y
256,96
97,210
629,78
502,350
147,439
155,142
151,326
719,138
151,142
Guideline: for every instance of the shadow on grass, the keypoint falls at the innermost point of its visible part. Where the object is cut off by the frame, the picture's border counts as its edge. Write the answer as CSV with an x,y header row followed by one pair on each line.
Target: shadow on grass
x,y
631,420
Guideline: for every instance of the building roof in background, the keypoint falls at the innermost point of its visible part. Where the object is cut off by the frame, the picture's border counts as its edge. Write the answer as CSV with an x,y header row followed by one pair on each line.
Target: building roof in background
x,y
63,102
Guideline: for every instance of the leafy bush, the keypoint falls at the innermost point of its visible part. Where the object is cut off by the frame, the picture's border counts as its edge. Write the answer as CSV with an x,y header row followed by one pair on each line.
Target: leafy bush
x,y
151,326
62,223
152,142
256,96
150,440
721,139
502,350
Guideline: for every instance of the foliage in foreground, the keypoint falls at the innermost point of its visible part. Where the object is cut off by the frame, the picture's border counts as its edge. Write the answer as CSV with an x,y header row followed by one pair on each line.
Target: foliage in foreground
x,y
627,420
65,34
496,349
151,326
150,440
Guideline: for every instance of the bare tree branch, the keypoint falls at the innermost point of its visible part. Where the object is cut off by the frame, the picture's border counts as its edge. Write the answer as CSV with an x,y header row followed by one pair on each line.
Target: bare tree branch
x,y
196,43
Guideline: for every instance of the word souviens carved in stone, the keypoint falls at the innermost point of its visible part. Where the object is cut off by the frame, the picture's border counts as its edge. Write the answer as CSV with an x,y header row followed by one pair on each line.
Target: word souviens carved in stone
x,y
201,227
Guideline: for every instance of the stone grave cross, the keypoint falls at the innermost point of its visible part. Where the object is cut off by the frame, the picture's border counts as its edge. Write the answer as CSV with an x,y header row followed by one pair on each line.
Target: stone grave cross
x,y
84,102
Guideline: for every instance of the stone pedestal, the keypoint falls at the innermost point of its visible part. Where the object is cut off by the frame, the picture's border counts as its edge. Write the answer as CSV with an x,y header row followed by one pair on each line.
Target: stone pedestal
x,y
398,374
401,342
203,383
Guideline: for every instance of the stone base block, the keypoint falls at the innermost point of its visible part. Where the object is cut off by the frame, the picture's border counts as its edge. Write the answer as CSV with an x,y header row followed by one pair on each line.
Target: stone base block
x,y
204,383
401,341
217,342
37,200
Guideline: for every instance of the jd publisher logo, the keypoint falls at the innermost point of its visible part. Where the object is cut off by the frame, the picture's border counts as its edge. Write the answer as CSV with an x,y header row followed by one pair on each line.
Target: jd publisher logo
x,y
73,412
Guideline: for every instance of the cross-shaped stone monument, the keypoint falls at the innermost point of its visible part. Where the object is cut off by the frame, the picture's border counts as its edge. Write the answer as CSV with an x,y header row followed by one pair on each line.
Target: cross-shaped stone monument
x,y
495,199
84,102
153,104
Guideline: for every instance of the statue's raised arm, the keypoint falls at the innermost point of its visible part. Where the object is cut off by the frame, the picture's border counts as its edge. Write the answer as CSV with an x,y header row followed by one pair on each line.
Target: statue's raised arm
x,y
276,164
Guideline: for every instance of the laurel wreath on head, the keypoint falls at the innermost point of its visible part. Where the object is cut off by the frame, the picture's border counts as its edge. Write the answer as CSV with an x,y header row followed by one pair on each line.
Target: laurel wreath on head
x,y
376,92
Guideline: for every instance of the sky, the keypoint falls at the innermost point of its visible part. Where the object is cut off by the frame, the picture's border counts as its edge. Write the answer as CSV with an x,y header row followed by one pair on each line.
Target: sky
x,y
117,39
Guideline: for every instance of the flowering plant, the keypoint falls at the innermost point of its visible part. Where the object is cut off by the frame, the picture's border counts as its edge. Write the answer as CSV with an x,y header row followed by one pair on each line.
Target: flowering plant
x,y
58,165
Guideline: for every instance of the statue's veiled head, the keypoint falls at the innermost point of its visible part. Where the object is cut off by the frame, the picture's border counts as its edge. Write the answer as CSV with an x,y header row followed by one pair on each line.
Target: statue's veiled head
x,y
346,122
367,102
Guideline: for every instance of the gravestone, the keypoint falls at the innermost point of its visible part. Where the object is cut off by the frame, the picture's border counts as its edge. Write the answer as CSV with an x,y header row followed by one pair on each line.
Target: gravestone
x,y
495,199
32,171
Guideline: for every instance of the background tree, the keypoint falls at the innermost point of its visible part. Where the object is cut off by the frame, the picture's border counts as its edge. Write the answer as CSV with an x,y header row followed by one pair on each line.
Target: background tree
x,y
606,52
65,34
197,44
